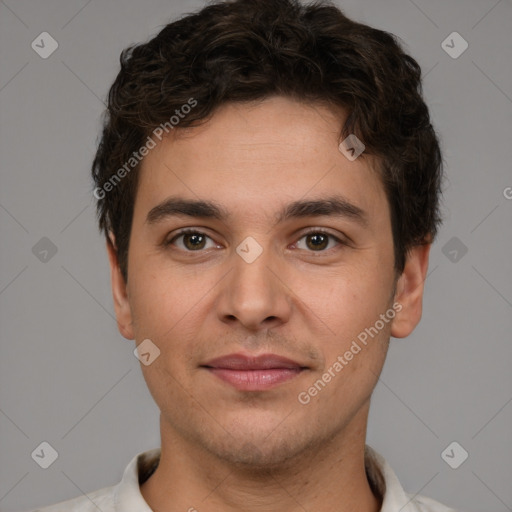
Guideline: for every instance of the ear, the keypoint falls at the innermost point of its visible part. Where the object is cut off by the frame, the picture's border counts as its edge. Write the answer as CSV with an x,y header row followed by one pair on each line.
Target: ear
x,y
409,291
119,292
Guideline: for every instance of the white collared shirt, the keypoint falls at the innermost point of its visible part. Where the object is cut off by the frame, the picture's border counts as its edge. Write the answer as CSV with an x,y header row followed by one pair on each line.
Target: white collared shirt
x,y
126,495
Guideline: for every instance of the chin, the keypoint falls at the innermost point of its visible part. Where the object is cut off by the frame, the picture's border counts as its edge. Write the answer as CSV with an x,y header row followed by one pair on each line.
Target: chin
x,y
258,452
249,457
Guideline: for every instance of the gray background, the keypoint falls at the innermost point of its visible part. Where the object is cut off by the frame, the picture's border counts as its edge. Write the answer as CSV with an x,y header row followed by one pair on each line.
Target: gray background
x,y
67,376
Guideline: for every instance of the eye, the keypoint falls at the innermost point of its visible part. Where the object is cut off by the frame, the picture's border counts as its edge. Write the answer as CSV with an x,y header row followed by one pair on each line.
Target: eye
x,y
318,241
191,240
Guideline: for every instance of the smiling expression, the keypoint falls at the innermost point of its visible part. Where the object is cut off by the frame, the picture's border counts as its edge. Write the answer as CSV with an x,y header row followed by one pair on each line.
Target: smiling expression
x,y
256,246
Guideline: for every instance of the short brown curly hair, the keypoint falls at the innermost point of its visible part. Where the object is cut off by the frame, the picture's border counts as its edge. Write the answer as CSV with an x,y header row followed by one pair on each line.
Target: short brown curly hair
x,y
246,50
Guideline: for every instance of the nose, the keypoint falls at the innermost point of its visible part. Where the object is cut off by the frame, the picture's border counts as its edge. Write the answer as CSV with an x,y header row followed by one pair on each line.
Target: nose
x,y
254,295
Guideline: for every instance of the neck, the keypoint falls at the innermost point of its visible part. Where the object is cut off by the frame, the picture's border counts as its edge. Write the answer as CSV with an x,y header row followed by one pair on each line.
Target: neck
x,y
330,477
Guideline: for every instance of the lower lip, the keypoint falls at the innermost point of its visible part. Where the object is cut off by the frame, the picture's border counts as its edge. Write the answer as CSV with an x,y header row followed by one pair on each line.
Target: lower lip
x,y
255,380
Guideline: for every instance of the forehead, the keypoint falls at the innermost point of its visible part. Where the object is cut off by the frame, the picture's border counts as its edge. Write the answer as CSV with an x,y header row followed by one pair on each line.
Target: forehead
x,y
253,158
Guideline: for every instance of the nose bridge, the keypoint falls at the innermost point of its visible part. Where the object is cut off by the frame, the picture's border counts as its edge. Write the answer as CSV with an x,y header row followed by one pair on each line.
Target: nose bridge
x,y
253,294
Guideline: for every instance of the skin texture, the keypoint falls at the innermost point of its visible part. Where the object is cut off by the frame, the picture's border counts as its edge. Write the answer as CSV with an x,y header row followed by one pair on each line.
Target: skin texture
x,y
224,449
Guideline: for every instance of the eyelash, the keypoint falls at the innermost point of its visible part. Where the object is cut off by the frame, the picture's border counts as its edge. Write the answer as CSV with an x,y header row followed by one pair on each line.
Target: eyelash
x,y
186,231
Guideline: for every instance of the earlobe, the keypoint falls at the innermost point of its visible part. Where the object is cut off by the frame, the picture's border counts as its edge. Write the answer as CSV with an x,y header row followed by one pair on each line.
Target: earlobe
x,y
119,292
409,291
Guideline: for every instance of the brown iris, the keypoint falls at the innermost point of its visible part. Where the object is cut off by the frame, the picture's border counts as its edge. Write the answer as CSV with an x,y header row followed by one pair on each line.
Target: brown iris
x,y
317,241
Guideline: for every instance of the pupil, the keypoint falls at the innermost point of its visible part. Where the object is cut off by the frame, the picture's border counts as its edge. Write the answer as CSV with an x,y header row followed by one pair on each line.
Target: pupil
x,y
319,241
194,241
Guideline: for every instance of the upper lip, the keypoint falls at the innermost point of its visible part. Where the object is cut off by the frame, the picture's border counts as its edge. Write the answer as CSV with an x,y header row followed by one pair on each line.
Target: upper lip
x,y
245,362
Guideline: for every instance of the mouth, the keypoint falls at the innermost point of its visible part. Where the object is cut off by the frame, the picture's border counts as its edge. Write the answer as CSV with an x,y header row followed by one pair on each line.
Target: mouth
x,y
254,373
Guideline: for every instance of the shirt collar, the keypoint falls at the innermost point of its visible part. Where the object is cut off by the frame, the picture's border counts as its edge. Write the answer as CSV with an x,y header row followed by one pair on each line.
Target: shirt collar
x,y
384,481
128,498
127,495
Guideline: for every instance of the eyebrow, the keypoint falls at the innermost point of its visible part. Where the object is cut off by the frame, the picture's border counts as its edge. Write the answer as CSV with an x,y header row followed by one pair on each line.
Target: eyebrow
x,y
333,206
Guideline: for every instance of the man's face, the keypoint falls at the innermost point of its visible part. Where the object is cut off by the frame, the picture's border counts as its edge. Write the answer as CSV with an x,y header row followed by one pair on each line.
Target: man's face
x,y
320,278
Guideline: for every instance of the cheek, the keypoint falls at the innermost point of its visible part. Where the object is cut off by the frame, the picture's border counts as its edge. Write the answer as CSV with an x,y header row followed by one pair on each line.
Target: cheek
x,y
353,360
169,310
169,389
348,303
163,301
